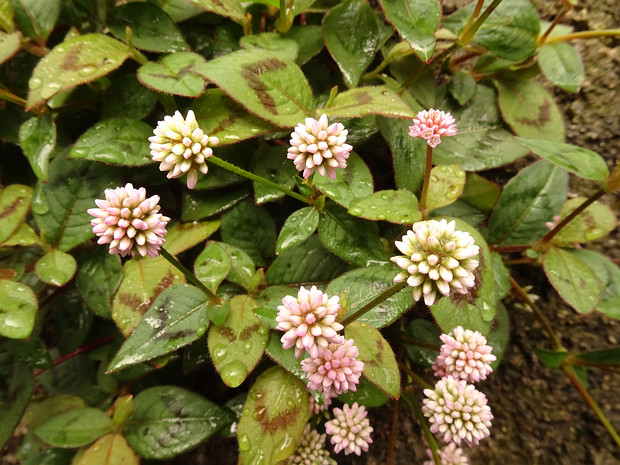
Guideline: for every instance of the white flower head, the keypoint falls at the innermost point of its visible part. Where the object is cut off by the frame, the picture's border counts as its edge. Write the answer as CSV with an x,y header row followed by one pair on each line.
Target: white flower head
x,y
310,450
350,430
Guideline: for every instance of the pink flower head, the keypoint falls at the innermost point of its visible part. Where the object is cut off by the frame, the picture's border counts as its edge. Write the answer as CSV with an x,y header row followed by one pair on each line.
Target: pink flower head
x,y
310,450
335,370
314,408
457,411
316,145
309,321
129,222
181,147
431,125
449,455
465,355
350,429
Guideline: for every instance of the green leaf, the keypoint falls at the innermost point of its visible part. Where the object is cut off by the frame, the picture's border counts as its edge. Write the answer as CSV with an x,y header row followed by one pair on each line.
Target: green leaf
x,y
352,239
480,192
609,275
399,207
605,356
59,206
169,420
212,266
56,268
365,284
297,228
176,318
178,10
462,86
352,36
309,40
481,142
40,411
460,210
561,64
31,352
6,15
97,280
242,266
36,19
252,229
174,74
220,116
143,281
367,394
306,262
447,182
118,141
501,275
37,137
18,309
151,28
128,97
111,449
15,395
529,109
183,236
529,199
573,279
73,62
476,309
577,160
593,223
426,334
237,345
408,153
271,42
14,205
422,92
273,419
24,235
269,86
354,182
75,428
198,205
380,365
233,10
416,21
284,357
10,43
363,101
271,163
552,358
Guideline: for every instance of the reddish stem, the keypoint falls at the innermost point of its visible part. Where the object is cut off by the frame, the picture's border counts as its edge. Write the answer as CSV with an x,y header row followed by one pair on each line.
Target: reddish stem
x,y
80,350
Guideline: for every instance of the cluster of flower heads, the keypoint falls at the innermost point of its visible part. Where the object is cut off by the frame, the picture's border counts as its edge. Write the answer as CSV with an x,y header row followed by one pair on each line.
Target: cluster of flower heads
x,y
455,408
431,125
310,450
449,455
437,259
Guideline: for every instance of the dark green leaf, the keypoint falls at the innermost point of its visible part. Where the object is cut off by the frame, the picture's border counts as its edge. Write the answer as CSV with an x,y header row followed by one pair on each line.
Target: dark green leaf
x,y
352,239
97,280
151,28
31,352
309,39
416,21
480,192
354,182
37,137
552,359
14,398
297,228
380,365
424,343
198,205
306,262
399,206
462,211
14,205
178,10
363,101
128,97
242,266
422,90
529,199
273,419
56,268
36,19
579,161
176,318
18,309
269,86
501,275
174,74
168,420
73,62
603,356
463,86
573,279
270,163
609,275
351,35
212,266
75,428
593,223
561,64
364,285
367,394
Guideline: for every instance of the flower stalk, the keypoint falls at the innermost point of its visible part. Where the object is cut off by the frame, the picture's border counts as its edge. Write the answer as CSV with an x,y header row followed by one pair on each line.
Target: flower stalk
x,y
426,182
430,439
374,302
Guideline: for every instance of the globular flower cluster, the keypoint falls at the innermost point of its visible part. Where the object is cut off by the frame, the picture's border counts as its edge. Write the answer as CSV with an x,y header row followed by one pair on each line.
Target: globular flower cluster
x,y
437,259
182,147
314,408
311,450
309,321
449,455
457,411
431,125
129,222
350,430
319,146
464,355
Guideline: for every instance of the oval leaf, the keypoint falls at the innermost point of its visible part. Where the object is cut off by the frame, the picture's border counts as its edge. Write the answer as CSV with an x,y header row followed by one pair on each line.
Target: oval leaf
x,y
56,268
111,449
183,236
18,309
272,42
354,182
97,280
399,206
212,266
233,10
363,101
561,64
10,43
447,183
594,222
75,428
297,228
37,137
174,74
14,205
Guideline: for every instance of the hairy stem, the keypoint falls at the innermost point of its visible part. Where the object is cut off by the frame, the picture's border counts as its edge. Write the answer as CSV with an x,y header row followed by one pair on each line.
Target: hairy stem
x,y
584,35
426,181
430,439
215,300
374,302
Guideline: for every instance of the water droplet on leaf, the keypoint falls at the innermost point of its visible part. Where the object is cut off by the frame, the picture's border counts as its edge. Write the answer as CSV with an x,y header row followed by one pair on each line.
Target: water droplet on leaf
x,y
244,442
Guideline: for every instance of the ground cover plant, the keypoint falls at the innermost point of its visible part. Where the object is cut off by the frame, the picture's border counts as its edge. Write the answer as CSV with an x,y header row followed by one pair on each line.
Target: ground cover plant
x,y
263,219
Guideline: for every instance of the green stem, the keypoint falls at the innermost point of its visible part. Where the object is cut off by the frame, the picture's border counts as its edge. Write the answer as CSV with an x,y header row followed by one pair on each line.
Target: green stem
x,y
584,35
430,439
426,181
374,302
470,31
540,245
135,54
246,174
11,97
543,38
568,370
416,379
215,300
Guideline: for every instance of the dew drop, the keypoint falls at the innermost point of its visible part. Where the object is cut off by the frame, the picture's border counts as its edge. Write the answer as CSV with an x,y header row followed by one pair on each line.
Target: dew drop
x,y
218,354
34,83
355,211
434,178
247,347
87,70
244,443
262,330
234,373
39,204
259,413
50,90
381,217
